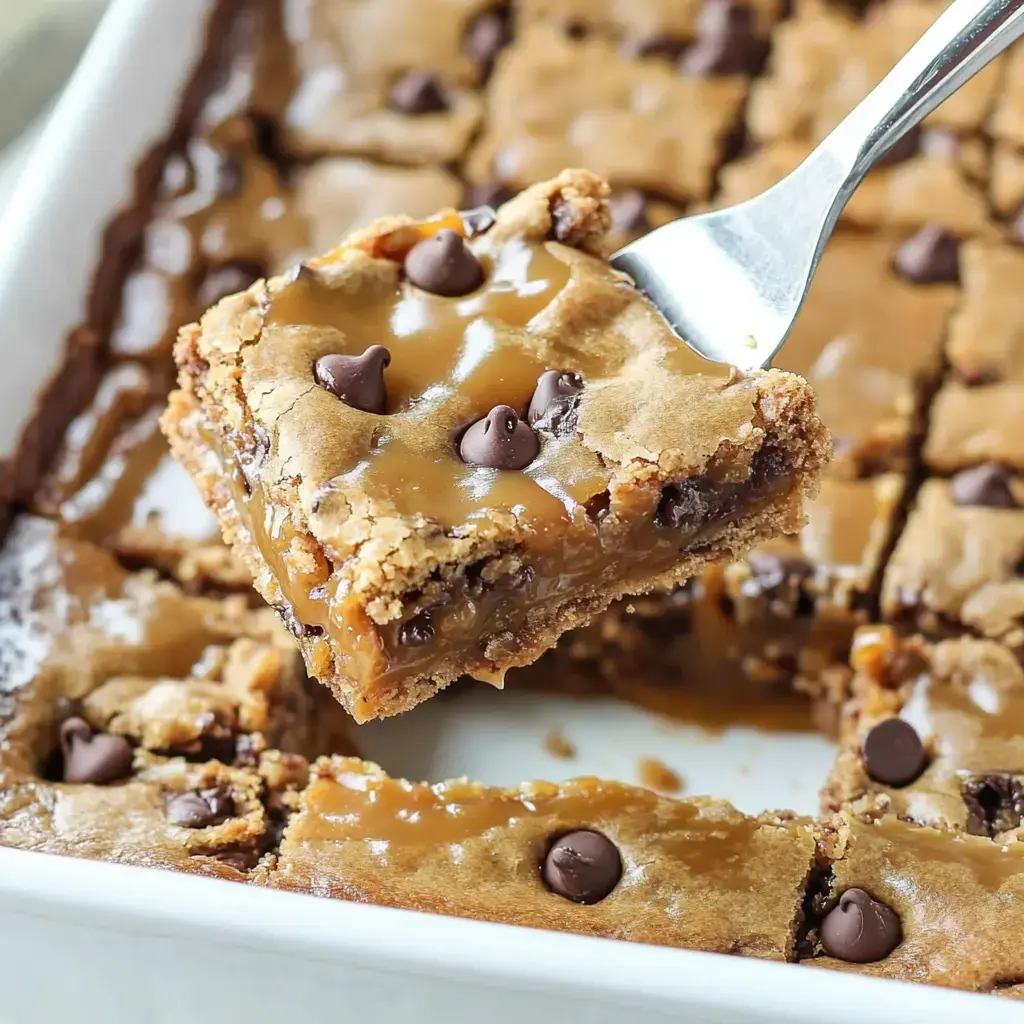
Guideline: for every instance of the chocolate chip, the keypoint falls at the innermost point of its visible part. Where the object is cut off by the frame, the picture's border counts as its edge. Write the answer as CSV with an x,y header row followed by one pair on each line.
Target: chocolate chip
x,y
479,220
629,213
444,265
357,380
489,34
906,148
931,256
859,929
660,44
417,92
202,808
241,859
995,803
727,42
893,753
227,280
598,506
489,193
93,757
419,630
582,866
987,486
499,441
553,398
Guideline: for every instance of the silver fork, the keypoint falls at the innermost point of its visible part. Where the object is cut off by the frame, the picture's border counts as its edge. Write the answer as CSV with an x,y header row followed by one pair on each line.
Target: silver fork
x,y
731,282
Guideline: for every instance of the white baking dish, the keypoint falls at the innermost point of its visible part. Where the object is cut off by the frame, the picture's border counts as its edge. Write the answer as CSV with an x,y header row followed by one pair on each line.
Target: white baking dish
x,y
96,942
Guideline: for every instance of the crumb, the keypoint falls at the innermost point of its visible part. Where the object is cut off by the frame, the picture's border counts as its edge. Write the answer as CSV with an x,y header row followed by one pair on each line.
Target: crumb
x,y
654,774
558,746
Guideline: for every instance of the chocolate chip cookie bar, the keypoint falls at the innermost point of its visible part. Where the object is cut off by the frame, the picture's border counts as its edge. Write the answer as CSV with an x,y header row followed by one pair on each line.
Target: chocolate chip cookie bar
x,y
139,722
901,901
502,470
956,566
587,856
933,734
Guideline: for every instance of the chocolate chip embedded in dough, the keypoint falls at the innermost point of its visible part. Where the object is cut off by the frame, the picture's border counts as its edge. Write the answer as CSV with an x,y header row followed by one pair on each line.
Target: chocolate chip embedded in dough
x,y
582,866
893,753
727,42
499,441
931,256
553,397
93,757
419,630
357,380
444,265
202,808
859,929
418,92
987,486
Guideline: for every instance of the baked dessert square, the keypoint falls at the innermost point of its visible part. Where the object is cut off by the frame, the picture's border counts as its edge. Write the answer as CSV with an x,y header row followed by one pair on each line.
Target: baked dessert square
x,y
901,901
556,102
138,720
503,471
933,734
393,81
825,59
957,564
586,856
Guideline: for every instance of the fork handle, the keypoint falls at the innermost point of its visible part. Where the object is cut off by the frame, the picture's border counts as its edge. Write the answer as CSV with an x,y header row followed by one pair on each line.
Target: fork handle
x,y
964,38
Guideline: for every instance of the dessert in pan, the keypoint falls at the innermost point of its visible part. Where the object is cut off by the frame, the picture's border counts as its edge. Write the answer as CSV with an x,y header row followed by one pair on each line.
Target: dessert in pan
x,y
417,498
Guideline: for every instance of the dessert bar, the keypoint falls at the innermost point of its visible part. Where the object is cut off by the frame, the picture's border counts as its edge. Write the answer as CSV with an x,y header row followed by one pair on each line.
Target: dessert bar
x,y
501,470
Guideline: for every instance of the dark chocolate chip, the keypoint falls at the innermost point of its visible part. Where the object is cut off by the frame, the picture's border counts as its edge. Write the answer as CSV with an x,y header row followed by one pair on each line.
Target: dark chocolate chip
x,y
859,929
227,280
727,42
553,398
931,256
987,485
240,859
202,808
629,213
906,148
357,380
598,507
419,630
995,803
479,220
582,866
893,753
489,34
418,92
93,757
444,265
501,440
489,193
660,44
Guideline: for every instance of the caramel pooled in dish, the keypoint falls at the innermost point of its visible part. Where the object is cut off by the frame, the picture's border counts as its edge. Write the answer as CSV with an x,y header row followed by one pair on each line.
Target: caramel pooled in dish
x,y
456,531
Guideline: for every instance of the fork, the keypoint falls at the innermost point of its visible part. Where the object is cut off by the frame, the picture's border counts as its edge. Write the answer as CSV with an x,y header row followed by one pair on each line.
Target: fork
x,y
730,283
